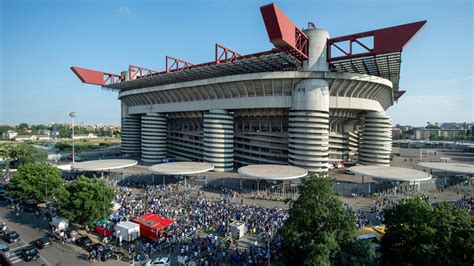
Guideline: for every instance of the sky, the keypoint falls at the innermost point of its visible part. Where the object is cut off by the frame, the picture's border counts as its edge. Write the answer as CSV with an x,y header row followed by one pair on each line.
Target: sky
x,y
41,39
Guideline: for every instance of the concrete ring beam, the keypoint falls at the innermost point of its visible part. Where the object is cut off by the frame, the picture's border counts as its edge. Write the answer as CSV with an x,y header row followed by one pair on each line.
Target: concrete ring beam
x,y
103,165
389,173
181,168
272,172
459,168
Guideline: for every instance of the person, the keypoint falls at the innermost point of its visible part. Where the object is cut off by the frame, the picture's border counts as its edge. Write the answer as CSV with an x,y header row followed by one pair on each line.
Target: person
x,y
4,227
93,255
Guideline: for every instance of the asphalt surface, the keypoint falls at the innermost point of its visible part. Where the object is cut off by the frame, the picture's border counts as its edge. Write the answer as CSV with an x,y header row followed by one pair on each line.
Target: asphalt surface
x,y
30,229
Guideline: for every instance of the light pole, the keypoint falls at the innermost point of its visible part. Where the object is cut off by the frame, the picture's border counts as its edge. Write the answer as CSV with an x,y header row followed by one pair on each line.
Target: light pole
x,y
72,115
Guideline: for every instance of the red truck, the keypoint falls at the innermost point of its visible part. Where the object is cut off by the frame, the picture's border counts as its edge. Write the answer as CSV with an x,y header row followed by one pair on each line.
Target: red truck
x,y
151,225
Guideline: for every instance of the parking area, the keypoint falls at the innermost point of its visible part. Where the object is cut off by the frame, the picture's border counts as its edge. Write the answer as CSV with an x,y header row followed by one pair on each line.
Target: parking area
x,y
31,229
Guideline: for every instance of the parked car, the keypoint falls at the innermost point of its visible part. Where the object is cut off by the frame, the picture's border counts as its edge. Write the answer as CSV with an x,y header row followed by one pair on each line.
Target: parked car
x,y
11,237
5,249
98,247
30,206
164,261
4,261
71,231
30,253
85,242
106,254
44,242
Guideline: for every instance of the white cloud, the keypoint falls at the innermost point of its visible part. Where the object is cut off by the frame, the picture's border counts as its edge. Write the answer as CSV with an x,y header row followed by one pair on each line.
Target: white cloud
x,y
125,10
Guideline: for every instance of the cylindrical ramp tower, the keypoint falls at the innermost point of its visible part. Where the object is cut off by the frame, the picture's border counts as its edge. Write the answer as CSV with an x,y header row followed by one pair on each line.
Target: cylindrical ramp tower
x,y
376,139
308,138
131,138
219,140
154,137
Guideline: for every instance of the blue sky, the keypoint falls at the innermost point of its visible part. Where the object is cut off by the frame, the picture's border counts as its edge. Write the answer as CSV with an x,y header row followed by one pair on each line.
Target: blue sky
x,y
40,40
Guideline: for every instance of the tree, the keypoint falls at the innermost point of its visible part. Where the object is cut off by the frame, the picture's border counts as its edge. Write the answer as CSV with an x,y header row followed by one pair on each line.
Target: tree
x,y
320,231
14,154
36,181
419,234
87,200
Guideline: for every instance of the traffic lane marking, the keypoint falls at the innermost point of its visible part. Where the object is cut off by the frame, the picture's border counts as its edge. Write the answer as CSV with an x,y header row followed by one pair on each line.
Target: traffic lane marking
x,y
20,247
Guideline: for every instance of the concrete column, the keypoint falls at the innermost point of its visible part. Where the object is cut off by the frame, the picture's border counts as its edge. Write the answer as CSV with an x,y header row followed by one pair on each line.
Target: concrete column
x,y
376,139
308,138
219,140
154,133
130,133
317,60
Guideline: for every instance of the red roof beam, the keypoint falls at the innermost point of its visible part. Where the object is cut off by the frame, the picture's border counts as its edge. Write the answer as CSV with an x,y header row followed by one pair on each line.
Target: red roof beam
x,y
398,94
283,33
135,72
387,40
174,64
224,54
94,77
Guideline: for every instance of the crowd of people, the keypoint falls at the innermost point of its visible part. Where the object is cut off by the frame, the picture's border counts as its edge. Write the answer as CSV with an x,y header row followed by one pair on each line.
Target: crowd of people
x,y
466,202
202,224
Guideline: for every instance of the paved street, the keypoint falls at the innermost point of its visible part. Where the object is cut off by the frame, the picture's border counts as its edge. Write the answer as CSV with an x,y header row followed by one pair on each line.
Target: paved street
x,y
30,229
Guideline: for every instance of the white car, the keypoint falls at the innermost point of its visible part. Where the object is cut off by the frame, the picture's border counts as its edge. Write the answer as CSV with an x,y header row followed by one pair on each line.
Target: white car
x,y
165,261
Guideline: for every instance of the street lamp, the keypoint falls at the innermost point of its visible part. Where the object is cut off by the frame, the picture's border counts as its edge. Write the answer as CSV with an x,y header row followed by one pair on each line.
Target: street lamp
x,y
72,115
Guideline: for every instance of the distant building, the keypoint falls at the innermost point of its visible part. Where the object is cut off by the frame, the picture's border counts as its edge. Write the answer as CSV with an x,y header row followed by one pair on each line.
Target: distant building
x,y
452,133
453,125
25,137
43,137
396,133
10,134
85,136
425,133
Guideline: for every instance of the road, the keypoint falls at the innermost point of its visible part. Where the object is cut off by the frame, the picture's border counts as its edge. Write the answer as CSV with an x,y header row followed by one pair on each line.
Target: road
x,y
31,229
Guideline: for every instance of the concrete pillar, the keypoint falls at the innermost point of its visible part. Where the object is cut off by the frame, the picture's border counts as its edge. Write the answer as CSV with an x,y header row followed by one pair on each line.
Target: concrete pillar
x,y
376,139
308,138
219,140
154,133
317,60
130,133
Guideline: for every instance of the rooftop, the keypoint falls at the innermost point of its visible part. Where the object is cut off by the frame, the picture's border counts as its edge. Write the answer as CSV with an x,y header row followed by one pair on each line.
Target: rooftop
x,y
181,168
102,165
389,173
272,172
460,168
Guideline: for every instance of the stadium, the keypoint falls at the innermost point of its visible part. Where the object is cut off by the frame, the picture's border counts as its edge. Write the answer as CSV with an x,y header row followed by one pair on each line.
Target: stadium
x,y
311,101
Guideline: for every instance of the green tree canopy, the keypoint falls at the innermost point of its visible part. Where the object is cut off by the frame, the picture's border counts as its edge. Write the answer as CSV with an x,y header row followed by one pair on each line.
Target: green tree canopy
x,y
419,234
15,154
320,231
36,181
87,200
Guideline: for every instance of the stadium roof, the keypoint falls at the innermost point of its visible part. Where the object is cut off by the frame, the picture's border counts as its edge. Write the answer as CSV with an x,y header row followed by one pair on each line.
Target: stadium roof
x,y
375,52
269,61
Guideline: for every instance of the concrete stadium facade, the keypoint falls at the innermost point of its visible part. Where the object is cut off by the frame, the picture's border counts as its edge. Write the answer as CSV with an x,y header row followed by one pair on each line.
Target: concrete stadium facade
x,y
310,117
301,103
